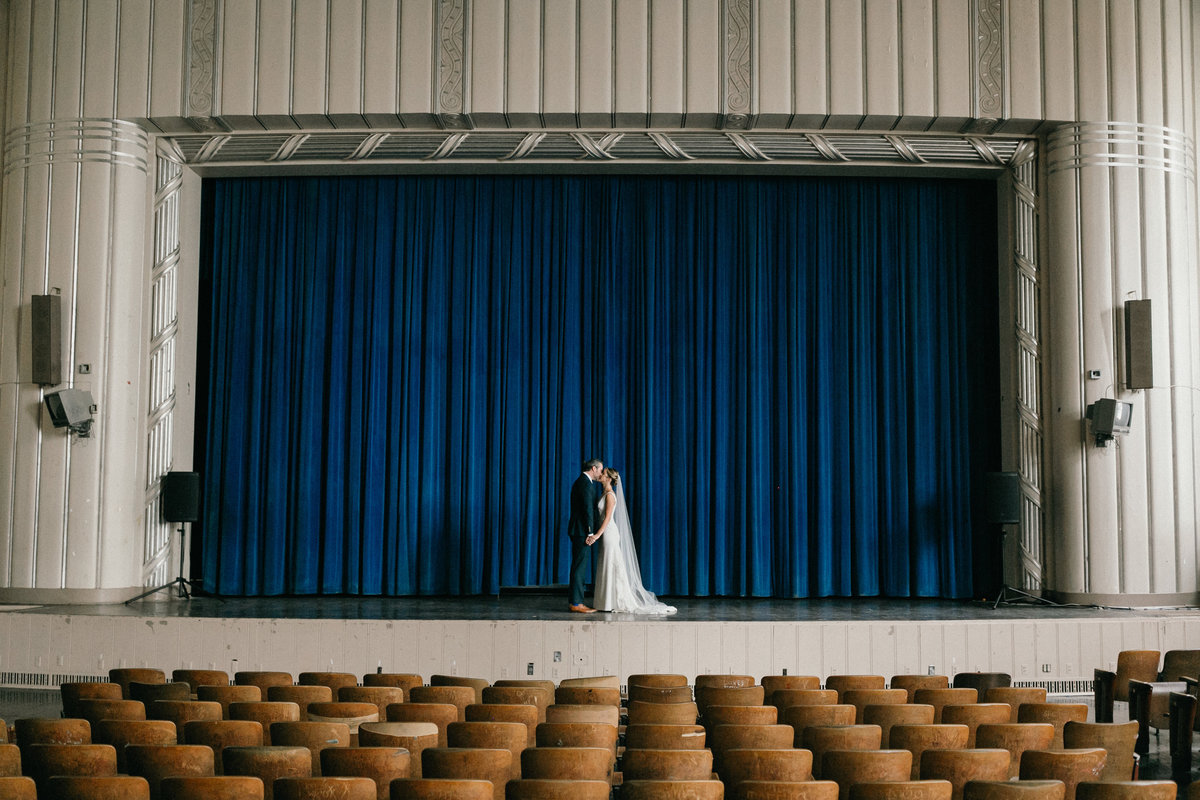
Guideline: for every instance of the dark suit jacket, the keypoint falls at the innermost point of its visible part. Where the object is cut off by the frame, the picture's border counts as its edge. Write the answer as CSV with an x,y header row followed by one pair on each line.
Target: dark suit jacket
x,y
583,508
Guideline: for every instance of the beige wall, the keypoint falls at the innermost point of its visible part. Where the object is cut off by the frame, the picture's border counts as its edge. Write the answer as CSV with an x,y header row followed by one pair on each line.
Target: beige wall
x,y
108,216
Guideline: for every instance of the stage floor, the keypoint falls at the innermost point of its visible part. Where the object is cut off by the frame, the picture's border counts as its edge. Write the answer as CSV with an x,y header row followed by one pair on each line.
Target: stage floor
x,y
551,606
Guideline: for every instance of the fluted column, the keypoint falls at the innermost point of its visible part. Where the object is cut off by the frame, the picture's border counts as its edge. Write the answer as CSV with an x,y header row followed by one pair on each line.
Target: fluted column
x,y
1121,225
75,206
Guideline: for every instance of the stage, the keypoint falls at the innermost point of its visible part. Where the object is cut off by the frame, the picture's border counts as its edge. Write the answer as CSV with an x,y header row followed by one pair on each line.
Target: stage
x,y
523,634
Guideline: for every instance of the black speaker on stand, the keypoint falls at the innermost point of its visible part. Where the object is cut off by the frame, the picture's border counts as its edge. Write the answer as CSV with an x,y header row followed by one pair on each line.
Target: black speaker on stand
x,y
180,496
1001,508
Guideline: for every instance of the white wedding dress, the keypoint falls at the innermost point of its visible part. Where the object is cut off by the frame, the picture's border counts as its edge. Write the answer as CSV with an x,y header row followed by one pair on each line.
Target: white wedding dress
x,y
618,575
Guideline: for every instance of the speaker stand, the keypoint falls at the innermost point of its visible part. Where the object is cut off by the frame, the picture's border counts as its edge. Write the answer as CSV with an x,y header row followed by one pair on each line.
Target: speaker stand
x,y
1009,595
180,582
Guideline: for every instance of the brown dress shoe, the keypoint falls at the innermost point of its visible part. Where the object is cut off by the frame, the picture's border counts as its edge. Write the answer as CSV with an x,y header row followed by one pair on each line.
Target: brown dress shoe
x,y
582,609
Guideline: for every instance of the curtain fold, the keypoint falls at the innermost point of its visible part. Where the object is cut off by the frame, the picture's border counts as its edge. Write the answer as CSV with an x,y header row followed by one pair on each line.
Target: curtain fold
x,y
795,376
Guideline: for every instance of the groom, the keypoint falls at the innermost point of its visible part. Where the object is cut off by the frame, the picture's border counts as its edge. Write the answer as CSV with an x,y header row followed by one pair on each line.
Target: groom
x,y
585,498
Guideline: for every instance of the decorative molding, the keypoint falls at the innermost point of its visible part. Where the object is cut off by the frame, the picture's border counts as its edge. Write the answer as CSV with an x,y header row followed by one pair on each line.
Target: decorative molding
x,y
989,64
1027,334
736,61
202,19
73,141
451,44
505,146
1121,144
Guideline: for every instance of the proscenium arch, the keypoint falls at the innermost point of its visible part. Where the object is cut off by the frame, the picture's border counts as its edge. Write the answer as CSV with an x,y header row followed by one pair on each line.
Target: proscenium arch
x,y
1012,161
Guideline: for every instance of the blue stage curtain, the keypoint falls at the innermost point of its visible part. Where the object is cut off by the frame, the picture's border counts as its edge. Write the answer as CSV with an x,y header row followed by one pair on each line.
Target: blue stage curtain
x,y
405,373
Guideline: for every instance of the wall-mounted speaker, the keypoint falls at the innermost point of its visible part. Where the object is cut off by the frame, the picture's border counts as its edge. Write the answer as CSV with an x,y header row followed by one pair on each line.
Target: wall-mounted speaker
x,y
46,312
1139,352
181,496
1001,498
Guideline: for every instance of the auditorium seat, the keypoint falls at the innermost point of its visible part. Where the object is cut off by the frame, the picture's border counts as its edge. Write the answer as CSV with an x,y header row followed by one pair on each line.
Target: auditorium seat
x,y
667,765
415,737
93,787
405,681
1016,738
719,681
981,682
10,761
181,712
741,715
440,714
18,787
538,697
861,698
222,733
657,680
263,679
325,788
528,683
1126,790
72,693
265,713
122,732
315,736
608,714
784,790
267,763
888,716
1138,665
228,787
495,712
911,683
1072,767
961,766
820,739
1015,696
148,693
577,734
441,789
724,738
157,761
641,712
568,763
587,696
1014,790
919,738
1056,714
848,767
380,696
351,714
773,683
228,694
840,683
665,737
302,696
476,684
494,765
195,678
51,730
801,717
902,790
1117,738
592,682
660,694
546,789
728,696
458,696
334,680
381,764
95,710
672,790
123,676
766,765
510,736
940,698
975,714
785,698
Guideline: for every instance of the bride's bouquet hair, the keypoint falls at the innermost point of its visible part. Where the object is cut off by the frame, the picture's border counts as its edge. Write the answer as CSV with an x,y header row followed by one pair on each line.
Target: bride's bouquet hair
x,y
613,475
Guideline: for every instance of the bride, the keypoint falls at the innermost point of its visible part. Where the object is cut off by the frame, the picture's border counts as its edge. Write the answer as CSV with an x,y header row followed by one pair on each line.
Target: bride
x,y
618,576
